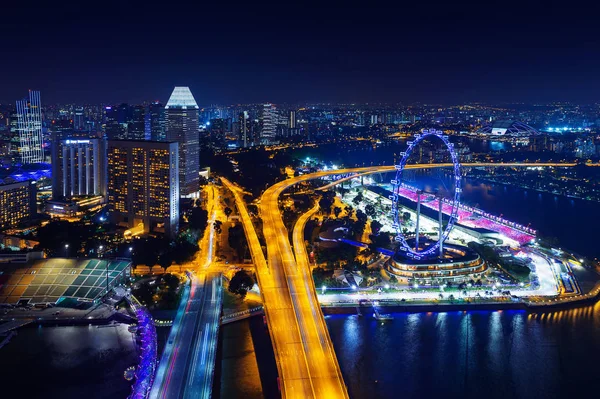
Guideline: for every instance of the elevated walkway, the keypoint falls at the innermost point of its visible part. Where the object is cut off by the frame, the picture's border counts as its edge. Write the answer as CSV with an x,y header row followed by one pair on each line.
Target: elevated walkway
x,y
14,324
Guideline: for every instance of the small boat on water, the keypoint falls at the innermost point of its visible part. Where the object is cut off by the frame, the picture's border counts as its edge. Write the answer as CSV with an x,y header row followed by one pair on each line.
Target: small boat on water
x,y
381,317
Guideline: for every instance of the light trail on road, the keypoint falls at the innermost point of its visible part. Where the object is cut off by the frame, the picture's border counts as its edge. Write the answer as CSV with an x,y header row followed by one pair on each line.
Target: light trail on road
x,y
186,368
304,353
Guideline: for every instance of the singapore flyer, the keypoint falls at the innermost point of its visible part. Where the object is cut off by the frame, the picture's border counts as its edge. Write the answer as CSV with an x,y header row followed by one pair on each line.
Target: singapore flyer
x,y
452,204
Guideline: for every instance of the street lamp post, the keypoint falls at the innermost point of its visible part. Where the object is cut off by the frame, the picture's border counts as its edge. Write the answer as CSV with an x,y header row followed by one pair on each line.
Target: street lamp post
x,y
66,250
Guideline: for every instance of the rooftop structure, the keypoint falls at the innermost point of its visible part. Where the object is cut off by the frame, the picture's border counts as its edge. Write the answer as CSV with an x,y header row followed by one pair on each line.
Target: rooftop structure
x,y
26,172
181,97
181,113
51,280
457,264
508,128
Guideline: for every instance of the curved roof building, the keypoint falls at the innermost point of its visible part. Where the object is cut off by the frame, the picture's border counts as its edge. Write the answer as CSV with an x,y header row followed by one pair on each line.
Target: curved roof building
x,y
508,128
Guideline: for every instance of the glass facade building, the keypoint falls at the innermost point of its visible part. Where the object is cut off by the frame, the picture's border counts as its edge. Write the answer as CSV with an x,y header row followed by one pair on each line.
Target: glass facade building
x,y
29,125
157,121
182,127
17,203
143,185
78,168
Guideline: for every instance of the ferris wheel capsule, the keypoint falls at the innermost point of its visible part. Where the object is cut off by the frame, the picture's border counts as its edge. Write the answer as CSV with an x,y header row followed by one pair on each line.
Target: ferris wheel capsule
x,y
454,204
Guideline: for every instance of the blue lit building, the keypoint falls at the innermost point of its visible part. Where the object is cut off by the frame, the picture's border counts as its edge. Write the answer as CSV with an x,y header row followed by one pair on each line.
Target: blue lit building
x,y
29,126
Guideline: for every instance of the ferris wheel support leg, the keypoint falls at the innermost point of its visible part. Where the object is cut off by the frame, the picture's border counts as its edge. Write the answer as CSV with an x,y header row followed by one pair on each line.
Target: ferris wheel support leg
x,y
418,217
440,228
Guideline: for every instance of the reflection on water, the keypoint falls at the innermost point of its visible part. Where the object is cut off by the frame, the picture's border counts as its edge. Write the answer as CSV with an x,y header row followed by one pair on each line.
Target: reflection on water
x,y
553,216
68,362
237,367
470,354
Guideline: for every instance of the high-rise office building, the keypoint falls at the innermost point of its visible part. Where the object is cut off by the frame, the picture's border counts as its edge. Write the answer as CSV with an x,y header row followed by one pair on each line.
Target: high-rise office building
x,y
143,185
17,203
113,129
244,128
157,121
292,119
181,114
136,126
78,167
78,119
268,121
29,124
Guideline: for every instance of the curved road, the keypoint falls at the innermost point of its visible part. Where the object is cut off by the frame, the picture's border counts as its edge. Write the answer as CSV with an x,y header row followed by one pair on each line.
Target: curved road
x,y
306,361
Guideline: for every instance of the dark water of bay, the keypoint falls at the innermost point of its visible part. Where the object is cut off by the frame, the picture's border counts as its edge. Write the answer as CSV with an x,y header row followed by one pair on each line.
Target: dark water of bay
x,y
573,221
474,354
67,362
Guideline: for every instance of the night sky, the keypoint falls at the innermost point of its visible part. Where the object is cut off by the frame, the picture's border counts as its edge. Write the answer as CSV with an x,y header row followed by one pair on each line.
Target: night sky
x,y
418,51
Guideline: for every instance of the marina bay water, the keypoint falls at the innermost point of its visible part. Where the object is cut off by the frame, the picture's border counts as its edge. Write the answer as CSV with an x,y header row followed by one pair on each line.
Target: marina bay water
x,y
472,354
68,362
568,219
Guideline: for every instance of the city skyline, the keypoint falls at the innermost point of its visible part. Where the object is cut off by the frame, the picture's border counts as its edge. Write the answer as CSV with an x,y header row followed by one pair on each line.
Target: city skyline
x,y
299,200
436,53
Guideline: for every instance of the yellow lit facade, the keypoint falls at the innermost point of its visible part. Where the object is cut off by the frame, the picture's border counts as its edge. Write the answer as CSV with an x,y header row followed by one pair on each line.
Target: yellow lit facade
x,y
143,184
17,203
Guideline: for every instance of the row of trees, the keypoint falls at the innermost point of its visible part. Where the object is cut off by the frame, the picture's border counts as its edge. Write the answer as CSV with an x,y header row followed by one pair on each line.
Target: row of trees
x,y
151,251
159,293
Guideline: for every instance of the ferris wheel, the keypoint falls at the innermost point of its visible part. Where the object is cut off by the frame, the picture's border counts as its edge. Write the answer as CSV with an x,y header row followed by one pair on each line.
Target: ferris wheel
x,y
448,206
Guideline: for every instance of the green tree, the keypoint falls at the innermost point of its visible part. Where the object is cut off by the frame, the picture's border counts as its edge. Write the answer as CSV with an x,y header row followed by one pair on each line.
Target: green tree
x,y
349,210
240,283
358,199
376,227
144,294
171,281
336,211
237,240
326,201
370,210
198,219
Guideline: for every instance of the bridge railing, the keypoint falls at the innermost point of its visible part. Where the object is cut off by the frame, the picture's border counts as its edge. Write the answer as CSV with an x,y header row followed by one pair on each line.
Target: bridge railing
x,y
236,315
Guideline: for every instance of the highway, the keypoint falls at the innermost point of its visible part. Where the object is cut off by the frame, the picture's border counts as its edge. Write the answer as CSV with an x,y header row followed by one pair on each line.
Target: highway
x,y
202,365
305,275
186,366
285,335
358,172
305,357
324,374
172,370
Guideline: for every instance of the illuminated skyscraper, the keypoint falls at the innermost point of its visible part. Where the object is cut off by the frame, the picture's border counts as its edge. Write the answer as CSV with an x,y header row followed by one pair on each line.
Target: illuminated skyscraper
x,y
268,122
78,119
78,167
182,127
157,121
143,185
114,130
136,129
17,203
29,124
244,123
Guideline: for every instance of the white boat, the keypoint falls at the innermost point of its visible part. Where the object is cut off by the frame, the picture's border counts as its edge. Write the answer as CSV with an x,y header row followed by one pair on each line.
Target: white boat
x,y
382,317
